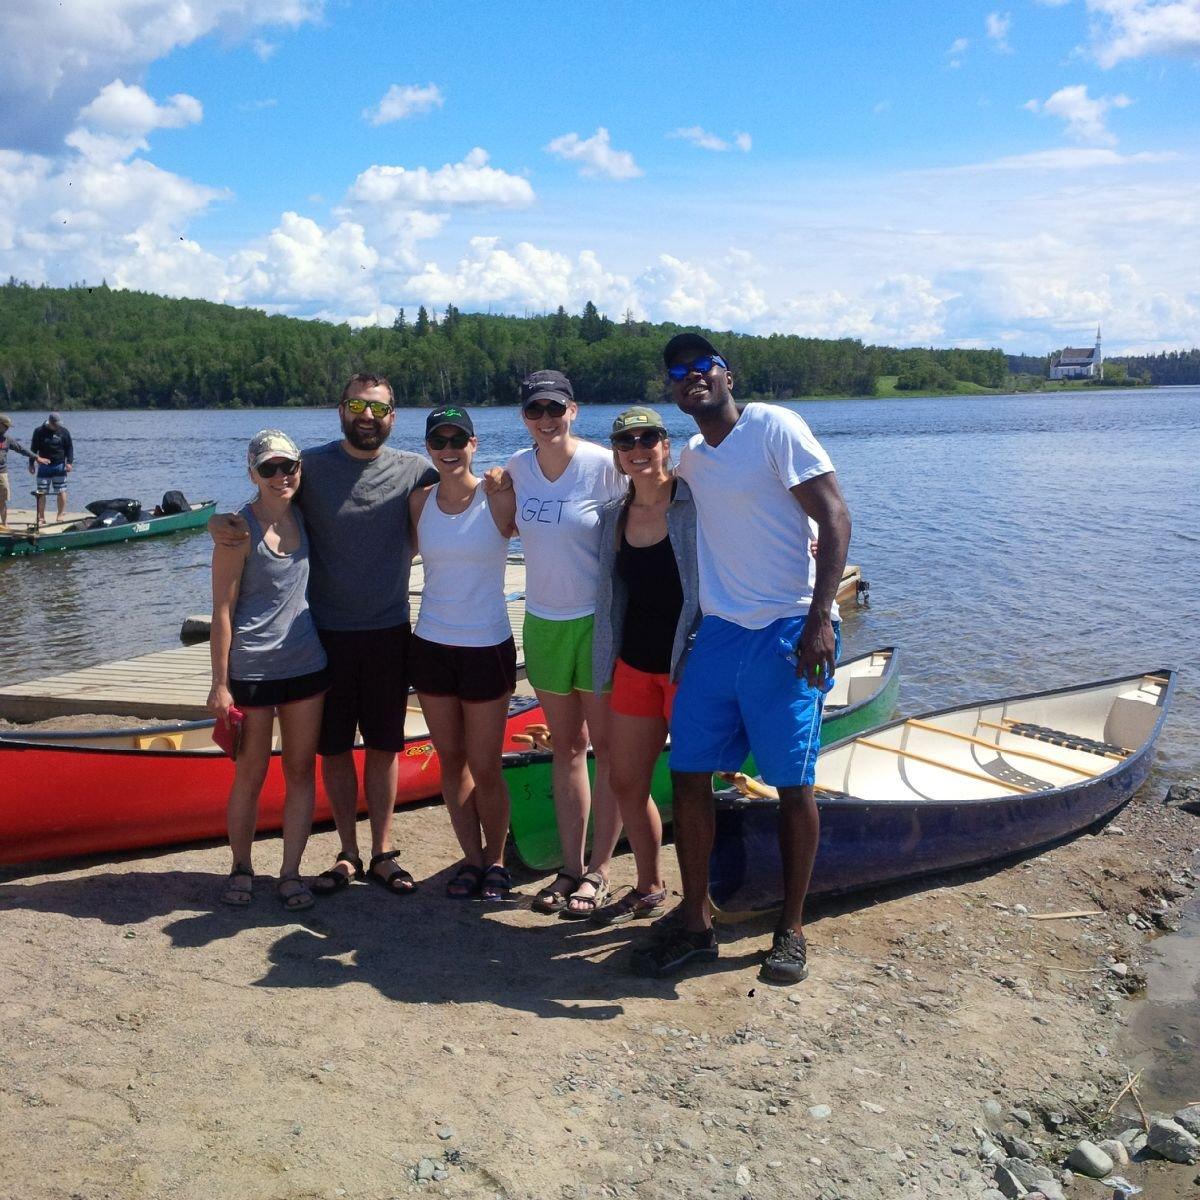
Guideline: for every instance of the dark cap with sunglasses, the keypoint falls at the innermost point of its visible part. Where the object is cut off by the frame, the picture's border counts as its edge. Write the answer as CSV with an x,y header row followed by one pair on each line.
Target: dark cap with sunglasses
x,y
271,443
449,415
692,344
551,384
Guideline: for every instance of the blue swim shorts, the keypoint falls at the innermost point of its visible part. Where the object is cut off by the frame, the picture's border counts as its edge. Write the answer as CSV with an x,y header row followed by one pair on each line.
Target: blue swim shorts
x,y
51,477
740,694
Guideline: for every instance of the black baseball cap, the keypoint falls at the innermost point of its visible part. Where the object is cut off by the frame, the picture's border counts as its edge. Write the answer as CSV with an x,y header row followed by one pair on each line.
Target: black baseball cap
x,y
546,383
688,343
451,414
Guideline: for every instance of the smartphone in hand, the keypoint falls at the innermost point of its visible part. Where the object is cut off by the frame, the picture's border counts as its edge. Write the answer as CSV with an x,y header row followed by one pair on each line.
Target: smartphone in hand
x,y
228,734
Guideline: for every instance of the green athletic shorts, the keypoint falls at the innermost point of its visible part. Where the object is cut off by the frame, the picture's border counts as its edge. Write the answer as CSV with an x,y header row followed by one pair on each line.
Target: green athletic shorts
x,y
558,654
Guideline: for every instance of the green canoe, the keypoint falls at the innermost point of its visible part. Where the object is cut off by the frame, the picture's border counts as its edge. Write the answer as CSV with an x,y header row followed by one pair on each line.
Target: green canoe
x,y
863,695
82,535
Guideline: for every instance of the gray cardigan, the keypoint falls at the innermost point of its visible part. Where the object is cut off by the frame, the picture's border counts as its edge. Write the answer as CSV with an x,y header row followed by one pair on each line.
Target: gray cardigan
x,y
612,596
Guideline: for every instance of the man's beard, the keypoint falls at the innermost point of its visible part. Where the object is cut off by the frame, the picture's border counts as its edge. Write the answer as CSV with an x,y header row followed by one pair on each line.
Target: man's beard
x,y
365,441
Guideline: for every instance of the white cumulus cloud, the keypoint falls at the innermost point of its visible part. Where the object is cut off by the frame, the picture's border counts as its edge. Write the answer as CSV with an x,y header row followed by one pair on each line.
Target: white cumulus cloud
x,y
58,56
470,183
404,101
1084,115
955,52
711,141
596,155
1125,29
997,26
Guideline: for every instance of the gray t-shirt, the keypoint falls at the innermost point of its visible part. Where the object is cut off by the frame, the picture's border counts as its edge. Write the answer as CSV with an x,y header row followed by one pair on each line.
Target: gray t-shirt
x,y
356,511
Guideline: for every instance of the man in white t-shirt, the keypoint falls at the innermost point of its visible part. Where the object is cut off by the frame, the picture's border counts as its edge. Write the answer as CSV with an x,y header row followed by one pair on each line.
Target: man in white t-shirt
x,y
766,648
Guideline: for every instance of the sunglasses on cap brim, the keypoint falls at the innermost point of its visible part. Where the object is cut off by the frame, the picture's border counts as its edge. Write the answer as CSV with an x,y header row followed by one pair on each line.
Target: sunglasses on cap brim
x,y
535,409
648,438
278,466
704,364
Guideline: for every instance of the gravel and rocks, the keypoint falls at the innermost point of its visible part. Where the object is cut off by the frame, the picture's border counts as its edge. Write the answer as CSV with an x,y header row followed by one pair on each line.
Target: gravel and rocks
x,y
1088,1159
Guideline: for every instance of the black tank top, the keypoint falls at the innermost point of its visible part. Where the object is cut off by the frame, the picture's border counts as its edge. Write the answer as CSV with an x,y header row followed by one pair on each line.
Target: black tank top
x,y
655,600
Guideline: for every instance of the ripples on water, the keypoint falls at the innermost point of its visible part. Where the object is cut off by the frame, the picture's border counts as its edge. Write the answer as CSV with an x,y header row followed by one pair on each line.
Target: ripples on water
x,y
1012,543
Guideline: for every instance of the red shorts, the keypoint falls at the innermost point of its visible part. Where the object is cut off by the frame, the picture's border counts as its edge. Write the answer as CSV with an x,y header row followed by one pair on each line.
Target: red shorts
x,y
639,694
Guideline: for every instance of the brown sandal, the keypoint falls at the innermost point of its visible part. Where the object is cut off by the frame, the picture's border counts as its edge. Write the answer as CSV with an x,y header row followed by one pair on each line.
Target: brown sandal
x,y
553,899
599,894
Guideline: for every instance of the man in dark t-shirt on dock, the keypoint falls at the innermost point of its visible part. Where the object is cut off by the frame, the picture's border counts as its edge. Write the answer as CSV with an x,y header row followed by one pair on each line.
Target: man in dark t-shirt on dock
x,y
355,504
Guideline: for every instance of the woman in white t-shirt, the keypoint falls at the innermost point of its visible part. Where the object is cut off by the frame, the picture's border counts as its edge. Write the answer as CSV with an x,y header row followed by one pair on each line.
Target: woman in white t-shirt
x,y
462,660
559,487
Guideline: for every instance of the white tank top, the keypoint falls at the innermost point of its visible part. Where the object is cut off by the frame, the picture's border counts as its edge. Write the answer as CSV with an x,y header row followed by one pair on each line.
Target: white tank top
x,y
464,556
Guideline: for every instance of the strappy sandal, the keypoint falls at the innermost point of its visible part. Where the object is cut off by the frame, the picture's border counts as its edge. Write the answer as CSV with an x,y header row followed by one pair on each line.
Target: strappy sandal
x,y
633,906
465,883
497,883
330,882
295,901
594,901
553,899
237,897
399,882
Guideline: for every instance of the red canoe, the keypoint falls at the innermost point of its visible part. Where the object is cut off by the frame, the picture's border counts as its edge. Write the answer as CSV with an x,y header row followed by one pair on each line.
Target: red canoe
x,y
78,792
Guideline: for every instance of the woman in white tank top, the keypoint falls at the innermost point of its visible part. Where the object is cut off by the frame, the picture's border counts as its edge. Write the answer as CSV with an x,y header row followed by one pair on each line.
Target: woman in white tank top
x,y
462,661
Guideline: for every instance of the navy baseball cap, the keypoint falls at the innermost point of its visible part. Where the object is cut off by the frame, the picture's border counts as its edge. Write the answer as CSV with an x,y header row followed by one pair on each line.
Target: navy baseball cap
x,y
449,414
689,343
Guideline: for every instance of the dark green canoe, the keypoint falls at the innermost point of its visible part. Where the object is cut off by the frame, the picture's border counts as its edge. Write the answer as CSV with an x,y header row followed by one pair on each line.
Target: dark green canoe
x,y
863,695
82,535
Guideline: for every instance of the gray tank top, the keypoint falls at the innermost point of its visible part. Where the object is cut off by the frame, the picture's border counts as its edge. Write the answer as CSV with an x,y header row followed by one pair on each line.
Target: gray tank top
x,y
273,632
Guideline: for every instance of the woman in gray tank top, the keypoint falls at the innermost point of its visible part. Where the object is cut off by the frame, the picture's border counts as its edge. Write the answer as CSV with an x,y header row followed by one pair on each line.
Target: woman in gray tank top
x,y
267,660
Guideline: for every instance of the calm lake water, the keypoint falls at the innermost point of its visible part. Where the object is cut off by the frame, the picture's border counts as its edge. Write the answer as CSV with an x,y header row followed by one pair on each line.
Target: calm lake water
x,y
1011,543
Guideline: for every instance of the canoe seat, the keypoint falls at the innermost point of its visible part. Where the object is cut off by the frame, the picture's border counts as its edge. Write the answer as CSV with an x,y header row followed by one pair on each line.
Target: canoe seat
x,y
159,741
862,687
1057,737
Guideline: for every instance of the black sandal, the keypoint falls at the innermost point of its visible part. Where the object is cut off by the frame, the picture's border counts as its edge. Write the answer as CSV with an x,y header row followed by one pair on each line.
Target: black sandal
x,y
553,899
399,882
298,900
329,883
465,883
237,897
497,883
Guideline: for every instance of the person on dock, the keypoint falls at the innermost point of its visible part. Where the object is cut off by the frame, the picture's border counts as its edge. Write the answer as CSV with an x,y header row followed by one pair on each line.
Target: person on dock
x,y
7,444
268,661
766,647
559,486
647,606
355,504
51,442
463,660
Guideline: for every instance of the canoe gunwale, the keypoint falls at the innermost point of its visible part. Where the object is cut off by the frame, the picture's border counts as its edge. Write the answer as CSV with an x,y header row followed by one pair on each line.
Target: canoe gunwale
x,y
885,678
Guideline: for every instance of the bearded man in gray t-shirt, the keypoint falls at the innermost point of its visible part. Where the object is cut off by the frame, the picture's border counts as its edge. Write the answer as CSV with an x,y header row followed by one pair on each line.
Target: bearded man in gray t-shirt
x,y
354,496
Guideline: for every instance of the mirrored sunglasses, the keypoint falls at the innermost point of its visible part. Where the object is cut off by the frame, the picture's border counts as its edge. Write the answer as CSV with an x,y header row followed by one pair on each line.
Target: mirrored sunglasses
x,y
276,466
703,365
378,408
535,410
649,439
456,441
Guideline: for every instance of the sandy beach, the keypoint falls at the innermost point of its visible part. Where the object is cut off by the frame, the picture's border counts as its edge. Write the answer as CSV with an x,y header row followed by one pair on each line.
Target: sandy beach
x,y
159,1045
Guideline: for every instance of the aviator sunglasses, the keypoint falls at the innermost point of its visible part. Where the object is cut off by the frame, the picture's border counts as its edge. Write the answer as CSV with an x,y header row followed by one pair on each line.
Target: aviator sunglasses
x,y
535,410
456,441
648,440
273,467
379,409
705,364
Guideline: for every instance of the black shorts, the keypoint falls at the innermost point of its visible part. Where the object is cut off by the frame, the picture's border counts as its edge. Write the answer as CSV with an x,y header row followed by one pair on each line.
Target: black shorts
x,y
474,674
271,693
368,688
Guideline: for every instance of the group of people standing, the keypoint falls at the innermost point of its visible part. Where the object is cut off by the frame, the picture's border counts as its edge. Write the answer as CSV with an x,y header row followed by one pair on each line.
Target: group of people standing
x,y
51,456
658,598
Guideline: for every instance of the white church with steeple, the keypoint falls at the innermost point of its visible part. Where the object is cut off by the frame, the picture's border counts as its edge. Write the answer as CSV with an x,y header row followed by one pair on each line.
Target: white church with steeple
x,y
1073,363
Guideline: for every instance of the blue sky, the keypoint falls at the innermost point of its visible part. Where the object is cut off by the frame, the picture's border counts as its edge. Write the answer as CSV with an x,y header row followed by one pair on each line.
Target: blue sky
x,y
908,173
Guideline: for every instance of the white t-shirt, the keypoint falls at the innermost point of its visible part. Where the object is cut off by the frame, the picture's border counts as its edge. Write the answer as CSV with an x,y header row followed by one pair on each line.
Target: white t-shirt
x,y
559,523
752,536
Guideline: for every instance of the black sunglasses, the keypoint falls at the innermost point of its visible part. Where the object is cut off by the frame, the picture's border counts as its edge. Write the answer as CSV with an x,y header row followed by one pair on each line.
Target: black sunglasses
x,y
535,410
705,364
456,441
649,439
273,467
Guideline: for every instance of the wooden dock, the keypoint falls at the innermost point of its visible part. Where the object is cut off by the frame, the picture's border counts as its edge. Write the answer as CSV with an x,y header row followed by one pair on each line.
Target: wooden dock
x,y
174,684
